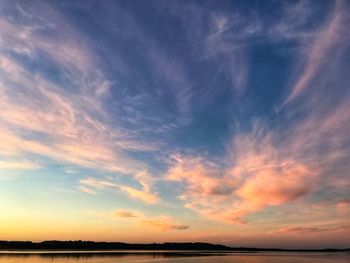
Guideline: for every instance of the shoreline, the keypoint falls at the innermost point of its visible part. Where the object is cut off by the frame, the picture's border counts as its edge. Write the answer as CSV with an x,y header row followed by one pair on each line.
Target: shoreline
x,y
110,247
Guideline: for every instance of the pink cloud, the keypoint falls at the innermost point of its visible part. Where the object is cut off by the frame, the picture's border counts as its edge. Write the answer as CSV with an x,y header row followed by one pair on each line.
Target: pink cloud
x,y
164,223
276,185
73,124
302,230
259,176
343,204
322,47
145,195
264,169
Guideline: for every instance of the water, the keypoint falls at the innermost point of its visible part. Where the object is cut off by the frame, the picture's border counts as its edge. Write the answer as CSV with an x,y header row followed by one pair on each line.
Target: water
x,y
172,257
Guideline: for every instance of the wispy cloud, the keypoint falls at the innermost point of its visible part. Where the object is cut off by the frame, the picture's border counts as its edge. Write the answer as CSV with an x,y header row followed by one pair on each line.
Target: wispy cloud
x,y
19,165
164,223
322,48
168,103
86,190
144,194
124,214
265,168
60,117
302,230
225,45
283,164
257,179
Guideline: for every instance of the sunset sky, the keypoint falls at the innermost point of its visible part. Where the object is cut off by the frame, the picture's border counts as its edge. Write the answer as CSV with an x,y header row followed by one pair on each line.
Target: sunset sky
x,y
153,121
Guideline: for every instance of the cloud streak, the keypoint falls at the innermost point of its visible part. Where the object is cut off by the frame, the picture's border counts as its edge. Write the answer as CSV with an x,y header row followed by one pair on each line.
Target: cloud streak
x,y
276,166
265,169
91,185
19,165
163,223
321,50
302,230
64,118
228,113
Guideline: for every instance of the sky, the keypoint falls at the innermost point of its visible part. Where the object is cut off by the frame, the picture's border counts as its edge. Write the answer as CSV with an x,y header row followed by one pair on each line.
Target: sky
x,y
154,121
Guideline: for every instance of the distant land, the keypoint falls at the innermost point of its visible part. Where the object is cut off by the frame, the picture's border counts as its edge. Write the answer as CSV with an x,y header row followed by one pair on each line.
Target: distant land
x,y
105,246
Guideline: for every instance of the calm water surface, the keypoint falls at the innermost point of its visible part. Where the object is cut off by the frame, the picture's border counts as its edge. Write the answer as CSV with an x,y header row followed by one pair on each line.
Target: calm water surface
x,y
173,257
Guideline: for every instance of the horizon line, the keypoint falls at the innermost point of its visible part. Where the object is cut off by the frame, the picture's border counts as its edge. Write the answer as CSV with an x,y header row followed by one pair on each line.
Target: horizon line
x,y
223,246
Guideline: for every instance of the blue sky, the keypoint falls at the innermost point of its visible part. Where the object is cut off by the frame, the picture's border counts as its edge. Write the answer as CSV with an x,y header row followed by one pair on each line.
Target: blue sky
x,y
195,120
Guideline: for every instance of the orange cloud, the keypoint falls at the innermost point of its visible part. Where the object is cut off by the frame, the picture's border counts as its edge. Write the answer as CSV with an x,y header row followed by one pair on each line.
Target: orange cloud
x,y
142,195
124,213
259,176
343,204
165,223
202,176
264,169
276,185
301,230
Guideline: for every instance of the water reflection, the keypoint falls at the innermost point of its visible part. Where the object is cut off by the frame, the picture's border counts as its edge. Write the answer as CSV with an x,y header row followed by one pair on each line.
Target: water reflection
x,y
116,256
171,257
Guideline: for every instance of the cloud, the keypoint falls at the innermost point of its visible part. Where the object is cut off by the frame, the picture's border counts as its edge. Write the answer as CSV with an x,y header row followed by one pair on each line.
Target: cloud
x,y
225,46
302,158
298,230
279,184
167,71
302,230
57,100
201,178
18,165
321,50
225,38
165,223
124,214
260,176
78,129
143,194
61,116
267,167
343,204
64,46
86,190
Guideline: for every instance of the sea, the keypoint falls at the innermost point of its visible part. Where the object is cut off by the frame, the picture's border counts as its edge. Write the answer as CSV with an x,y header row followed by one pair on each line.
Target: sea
x,y
126,256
